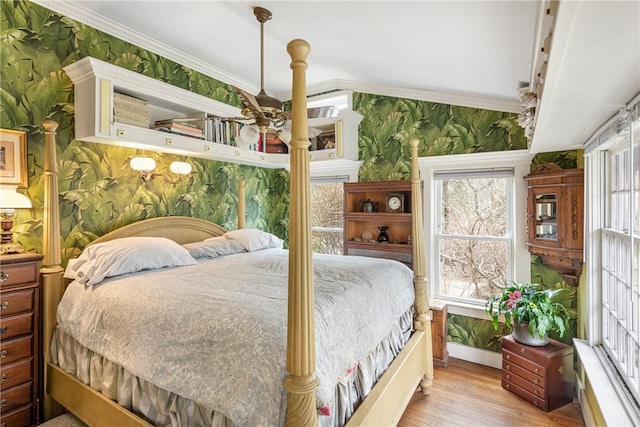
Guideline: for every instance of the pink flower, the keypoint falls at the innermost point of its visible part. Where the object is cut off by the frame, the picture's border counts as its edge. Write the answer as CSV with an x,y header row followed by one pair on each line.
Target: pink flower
x,y
513,299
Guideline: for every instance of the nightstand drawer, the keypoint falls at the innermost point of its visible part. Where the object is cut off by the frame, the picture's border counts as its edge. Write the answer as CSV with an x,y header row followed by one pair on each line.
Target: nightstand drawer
x,y
13,326
526,364
20,417
16,302
16,349
511,367
14,397
15,274
15,373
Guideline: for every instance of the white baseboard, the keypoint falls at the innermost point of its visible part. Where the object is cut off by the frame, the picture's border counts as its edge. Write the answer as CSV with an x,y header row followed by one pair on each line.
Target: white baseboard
x,y
585,407
475,355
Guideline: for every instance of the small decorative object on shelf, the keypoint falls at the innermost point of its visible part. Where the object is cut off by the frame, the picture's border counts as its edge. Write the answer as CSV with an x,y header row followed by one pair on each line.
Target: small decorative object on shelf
x,y
368,206
530,310
383,237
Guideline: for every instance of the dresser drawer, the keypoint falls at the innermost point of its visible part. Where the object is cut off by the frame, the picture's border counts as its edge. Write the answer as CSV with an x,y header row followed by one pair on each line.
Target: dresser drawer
x,y
20,417
15,349
534,379
16,302
12,374
531,398
14,397
16,325
530,366
17,274
530,387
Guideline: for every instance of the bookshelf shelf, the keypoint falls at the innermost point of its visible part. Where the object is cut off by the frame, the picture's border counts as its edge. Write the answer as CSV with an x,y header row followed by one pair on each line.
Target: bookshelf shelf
x,y
97,83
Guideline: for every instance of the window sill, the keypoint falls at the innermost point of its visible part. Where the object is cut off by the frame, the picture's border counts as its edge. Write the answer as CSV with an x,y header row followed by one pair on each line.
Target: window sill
x,y
616,407
466,309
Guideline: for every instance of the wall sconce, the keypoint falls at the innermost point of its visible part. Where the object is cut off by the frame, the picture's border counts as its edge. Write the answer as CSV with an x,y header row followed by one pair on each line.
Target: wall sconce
x,y
10,200
146,166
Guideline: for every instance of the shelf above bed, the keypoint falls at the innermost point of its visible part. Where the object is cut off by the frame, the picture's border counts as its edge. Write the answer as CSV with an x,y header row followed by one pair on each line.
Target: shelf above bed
x,y
96,81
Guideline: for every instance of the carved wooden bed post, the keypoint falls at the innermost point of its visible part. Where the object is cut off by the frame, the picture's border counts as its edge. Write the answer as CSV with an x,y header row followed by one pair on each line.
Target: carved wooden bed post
x,y
51,272
241,209
301,382
423,317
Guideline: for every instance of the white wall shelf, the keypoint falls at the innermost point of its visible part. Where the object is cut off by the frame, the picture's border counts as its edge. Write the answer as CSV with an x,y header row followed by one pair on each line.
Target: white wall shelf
x,y
96,81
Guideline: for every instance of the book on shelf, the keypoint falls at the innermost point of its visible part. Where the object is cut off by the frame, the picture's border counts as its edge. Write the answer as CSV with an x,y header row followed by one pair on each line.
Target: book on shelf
x,y
127,99
180,132
126,121
180,126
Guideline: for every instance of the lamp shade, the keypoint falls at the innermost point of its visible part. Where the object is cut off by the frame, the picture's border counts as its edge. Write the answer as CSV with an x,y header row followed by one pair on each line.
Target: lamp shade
x,y
180,168
284,135
9,199
140,163
250,134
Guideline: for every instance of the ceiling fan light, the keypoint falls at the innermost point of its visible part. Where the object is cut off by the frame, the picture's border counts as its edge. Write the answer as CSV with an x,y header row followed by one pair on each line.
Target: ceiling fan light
x,y
284,135
250,134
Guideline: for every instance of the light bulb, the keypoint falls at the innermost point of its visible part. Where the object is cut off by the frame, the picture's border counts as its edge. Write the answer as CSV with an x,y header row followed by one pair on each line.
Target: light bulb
x,y
180,168
140,163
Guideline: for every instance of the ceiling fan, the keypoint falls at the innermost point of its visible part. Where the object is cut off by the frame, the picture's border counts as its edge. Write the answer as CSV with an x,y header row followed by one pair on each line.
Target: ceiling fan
x,y
266,111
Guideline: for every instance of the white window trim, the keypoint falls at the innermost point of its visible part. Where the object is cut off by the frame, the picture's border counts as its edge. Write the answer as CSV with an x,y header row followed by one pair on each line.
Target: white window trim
x,y
520,160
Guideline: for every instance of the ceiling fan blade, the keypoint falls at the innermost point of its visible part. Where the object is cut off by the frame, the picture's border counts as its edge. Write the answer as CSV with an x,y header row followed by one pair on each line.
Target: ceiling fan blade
x,y
323,112
248,99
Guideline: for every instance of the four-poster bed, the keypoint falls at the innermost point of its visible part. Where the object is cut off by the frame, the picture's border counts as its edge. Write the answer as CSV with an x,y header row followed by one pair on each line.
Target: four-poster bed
x,y
388,398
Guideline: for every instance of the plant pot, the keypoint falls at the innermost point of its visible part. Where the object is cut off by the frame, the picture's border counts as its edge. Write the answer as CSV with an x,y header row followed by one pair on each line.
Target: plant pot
x,y
522,335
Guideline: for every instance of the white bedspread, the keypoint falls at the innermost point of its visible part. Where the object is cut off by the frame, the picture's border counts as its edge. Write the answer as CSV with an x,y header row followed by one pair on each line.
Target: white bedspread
x,y
216,332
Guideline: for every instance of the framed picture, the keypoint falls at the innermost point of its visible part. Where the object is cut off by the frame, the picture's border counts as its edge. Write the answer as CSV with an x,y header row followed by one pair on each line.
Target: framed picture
x,y
13,158
326,140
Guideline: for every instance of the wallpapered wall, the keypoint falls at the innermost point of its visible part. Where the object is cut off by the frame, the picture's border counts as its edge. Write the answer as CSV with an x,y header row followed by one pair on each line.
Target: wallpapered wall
x,y
99,192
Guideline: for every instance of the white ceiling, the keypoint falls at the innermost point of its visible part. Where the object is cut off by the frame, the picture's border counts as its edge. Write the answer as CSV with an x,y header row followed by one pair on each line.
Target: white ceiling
x,y
475,53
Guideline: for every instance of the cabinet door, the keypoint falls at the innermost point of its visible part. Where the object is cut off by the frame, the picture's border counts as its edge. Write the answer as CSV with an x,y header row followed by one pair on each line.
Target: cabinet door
x,y
543,220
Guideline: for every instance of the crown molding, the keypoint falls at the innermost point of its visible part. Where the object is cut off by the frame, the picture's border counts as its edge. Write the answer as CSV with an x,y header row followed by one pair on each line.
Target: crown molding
x,y
510,105
75,10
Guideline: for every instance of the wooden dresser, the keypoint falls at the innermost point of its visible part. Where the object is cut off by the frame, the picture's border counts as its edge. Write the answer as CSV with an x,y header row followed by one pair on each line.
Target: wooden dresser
x,y
19,345
541,375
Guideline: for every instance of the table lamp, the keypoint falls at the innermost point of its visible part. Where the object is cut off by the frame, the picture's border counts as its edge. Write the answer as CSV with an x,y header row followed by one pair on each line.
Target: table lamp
x,y
10,200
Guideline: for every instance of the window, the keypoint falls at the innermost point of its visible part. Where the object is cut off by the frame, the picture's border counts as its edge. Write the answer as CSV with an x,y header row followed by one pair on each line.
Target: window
x,y
475,226
327,214
613,209
474,232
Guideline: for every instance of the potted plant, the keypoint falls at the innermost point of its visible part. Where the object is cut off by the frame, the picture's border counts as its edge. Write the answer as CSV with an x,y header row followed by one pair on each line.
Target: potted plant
x,y
530,310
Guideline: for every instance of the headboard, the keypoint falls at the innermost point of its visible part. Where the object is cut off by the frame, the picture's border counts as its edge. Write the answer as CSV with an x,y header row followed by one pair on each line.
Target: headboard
x,y
180,229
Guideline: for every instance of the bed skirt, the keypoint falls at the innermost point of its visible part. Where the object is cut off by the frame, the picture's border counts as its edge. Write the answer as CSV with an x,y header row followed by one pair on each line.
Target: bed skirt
x,y
164,408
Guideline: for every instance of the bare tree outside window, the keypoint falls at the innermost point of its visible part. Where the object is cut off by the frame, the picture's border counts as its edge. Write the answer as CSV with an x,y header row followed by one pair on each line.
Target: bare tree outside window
x,y
327,217
473,238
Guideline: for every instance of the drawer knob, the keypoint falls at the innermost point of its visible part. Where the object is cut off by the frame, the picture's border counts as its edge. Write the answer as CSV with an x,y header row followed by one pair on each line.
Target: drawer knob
x,y
508,357
3,378
3,403
523,350
3,276
3,354
4,329
535,381
537,371
508,376
5,304
536,403
507,386
535,392
561,369
507,367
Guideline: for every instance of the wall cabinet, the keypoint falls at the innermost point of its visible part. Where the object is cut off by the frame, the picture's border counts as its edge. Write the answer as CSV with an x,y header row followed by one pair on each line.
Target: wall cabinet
x,y
96,82
555,212
19,340
367,213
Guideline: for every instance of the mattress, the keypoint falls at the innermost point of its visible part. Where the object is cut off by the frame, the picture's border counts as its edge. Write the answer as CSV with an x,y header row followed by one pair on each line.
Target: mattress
x,y
213,336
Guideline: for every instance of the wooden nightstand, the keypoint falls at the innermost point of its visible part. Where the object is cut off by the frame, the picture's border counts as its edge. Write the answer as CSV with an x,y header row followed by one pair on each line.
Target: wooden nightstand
x,y
541,375
19,345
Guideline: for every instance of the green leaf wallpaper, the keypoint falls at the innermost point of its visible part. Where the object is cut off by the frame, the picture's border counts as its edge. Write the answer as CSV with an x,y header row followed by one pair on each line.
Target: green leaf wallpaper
x,y
99,192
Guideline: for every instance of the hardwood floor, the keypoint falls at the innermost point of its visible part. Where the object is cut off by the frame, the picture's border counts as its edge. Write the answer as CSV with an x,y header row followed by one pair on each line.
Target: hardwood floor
x,y
468,394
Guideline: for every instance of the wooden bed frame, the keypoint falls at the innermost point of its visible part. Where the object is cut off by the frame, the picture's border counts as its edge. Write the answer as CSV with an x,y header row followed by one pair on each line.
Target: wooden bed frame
x,y
385,404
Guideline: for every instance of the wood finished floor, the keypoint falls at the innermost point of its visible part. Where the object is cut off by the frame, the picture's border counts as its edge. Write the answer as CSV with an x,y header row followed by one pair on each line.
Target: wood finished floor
x,y
468,394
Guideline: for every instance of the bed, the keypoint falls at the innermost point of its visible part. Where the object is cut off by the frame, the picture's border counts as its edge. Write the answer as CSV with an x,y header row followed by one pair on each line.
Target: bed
x,y
308,386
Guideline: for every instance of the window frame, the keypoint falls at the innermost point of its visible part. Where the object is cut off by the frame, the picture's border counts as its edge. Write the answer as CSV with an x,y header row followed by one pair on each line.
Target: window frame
x,y
520,161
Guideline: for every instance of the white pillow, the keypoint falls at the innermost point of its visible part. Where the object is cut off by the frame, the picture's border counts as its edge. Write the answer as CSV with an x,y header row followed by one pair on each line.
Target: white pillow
x,y
214,247
127,255
253,239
